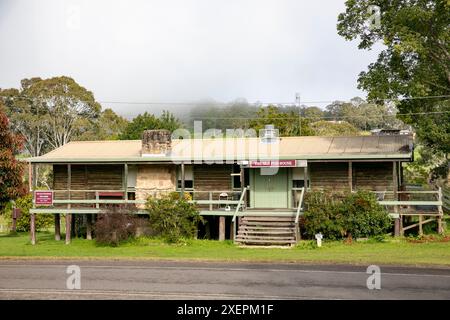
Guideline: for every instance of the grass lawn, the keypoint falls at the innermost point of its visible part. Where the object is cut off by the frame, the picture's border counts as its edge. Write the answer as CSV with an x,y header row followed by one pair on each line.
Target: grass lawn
x,y
400,252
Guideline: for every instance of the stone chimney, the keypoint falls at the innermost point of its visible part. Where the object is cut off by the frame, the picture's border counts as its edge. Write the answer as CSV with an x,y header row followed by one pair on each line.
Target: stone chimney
x,y
156,143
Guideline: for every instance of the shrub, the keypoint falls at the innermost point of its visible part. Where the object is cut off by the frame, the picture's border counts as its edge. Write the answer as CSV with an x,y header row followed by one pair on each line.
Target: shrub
x,y
172,217
25,203
338,215
321,216
363,215
114,226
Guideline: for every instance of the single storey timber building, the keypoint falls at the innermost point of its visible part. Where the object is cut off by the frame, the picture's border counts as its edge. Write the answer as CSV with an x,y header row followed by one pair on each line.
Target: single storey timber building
x,y
248,189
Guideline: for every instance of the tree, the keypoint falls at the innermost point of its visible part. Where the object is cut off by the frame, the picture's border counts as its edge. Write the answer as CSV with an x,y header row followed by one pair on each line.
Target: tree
x,y
328,128
313,113
414,64
28,118
168,121
11,170
363,115
50,112
288,124
109,126
148,121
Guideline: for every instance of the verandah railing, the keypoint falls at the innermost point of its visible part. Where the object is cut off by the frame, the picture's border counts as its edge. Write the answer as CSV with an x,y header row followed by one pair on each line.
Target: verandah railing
x,y
90,201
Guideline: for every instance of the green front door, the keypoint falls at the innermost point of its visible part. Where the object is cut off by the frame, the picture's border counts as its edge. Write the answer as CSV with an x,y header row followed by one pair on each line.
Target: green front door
x,y
270,191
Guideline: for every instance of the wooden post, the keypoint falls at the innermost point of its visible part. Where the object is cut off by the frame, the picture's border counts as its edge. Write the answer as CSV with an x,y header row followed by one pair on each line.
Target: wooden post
x,y
68,215
57,227
14,224
242,179
305,178
401,226
232,230
30,177
68,227
210,199
221,228
420,225
33,228
397,231
401,173
182,179
88,227
14,219
97,197
32,216
208,230
125,181
440,227
350,175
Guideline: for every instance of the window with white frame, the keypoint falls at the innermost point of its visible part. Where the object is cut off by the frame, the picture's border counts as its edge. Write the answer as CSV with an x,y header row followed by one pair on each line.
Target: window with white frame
x,y
298,178
188,177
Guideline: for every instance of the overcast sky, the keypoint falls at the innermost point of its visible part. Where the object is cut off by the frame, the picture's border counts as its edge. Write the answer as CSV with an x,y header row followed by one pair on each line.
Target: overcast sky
x,y
183,50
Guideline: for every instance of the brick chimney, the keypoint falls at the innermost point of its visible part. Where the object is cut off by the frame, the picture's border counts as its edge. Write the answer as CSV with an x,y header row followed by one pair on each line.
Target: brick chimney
x,y
156,143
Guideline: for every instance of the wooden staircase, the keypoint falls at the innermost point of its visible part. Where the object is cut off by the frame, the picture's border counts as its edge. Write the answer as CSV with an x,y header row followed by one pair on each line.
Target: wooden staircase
x,y
258,229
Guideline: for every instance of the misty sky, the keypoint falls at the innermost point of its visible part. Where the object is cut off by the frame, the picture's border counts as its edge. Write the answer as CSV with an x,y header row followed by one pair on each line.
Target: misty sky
x,y
183,50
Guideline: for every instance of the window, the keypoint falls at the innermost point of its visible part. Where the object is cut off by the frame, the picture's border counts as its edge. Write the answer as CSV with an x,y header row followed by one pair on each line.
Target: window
x,y
236,179
132,176
298,183
298,178
188,177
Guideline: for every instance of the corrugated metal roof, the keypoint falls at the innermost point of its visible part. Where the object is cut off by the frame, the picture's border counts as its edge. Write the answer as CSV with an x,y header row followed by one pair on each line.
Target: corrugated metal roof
x,y
314,147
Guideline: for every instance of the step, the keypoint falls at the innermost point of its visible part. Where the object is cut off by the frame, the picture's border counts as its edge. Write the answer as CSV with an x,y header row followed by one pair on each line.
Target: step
x,y
259,218
266,228
287,242
268,223
244,232
271,210
254,237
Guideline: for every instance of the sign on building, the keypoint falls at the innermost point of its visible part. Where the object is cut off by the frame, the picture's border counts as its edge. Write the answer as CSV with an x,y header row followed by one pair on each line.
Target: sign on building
x,y
277,163
43,198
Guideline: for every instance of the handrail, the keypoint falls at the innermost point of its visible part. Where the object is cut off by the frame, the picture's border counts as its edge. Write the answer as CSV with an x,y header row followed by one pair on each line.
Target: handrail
x,y
239,204
241,199
407,192
410,203
300,202
297,215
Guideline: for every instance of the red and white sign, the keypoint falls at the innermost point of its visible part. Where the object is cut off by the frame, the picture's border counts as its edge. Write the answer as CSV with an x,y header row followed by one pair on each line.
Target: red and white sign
x,y
277,163
43,198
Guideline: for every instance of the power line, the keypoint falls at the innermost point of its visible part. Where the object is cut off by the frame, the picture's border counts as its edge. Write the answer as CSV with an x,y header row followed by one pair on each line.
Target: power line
x,y
266,102
257,102
331,117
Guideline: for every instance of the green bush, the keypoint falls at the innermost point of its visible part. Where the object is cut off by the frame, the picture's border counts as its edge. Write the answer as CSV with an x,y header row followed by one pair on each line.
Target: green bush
x,y
173,217
43,221
340,215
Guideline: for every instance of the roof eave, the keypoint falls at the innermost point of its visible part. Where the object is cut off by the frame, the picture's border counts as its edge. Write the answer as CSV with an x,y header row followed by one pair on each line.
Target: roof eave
x,y
396,156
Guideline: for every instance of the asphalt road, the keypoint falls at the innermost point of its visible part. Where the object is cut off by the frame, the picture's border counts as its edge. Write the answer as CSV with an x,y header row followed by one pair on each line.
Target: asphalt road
x,y
25,279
